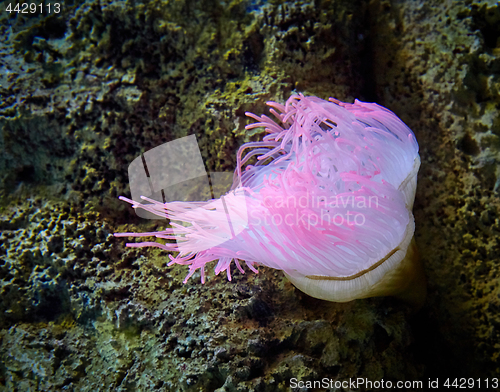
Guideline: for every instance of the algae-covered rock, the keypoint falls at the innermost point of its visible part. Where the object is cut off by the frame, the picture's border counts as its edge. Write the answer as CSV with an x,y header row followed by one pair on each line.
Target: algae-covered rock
x,y
438,66
87,90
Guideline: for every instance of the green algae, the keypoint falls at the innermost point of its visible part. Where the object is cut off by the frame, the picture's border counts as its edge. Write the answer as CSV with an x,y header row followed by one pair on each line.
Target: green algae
x,y
119,78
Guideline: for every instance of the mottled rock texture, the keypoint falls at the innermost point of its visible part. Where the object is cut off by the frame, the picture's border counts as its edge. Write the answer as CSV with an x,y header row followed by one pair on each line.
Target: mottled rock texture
x,y
85,91
438,65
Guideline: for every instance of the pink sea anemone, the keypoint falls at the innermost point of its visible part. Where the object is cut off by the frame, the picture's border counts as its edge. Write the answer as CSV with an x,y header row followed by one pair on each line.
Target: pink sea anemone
x,y
326,197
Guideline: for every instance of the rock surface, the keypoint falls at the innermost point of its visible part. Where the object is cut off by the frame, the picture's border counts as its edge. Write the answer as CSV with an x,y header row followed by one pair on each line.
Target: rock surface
x,y
87,90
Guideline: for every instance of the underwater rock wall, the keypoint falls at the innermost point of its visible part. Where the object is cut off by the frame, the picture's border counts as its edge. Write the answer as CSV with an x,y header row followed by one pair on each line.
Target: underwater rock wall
x,y
85,91
441,71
